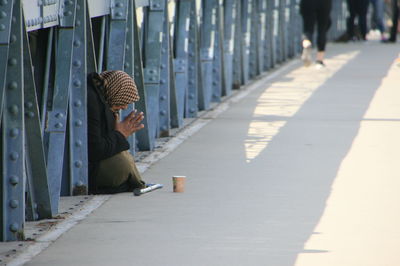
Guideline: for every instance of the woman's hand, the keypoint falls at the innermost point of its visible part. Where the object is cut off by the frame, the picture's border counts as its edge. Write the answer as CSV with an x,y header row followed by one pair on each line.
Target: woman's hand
x,y
130,124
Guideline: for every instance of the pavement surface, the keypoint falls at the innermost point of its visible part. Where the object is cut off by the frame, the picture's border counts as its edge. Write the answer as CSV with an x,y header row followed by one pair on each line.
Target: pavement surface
x,y
303,171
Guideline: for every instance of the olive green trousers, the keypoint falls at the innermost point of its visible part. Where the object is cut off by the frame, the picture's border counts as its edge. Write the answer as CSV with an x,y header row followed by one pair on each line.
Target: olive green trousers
x,y
119,171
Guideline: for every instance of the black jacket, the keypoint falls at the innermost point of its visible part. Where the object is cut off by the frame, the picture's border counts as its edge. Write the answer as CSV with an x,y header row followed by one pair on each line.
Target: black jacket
x,y
103,140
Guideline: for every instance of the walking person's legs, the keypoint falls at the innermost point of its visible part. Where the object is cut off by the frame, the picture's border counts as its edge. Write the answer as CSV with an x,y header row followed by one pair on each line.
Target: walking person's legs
x,y
362,9
395,20
323,25
307,10
351,5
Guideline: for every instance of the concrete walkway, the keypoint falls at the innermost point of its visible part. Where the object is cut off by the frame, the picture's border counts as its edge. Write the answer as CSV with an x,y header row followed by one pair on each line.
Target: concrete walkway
x,y
303,171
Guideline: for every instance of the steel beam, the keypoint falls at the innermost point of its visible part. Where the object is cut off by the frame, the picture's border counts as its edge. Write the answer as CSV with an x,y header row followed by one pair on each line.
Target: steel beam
x,y
143,136
78,170
194,68
181,51
207,33
230,7
164,122
218,79
39,202
13,136
57,117
5,24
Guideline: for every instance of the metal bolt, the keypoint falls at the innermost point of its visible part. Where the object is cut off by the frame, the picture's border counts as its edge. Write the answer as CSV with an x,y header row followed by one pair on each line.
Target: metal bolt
x,y
119,4
77,83
67,13
30,114
2,27
77,43
78,143
191,96
119,14
13,85
14,156
59,125
59,115
78,123
12,61
162,81
3,2
163,112
3,14
77,103
13,109
164,128
126,65
78,164
77,63
14,204
192,110
14,227
14,132
14,180
163,97
28,105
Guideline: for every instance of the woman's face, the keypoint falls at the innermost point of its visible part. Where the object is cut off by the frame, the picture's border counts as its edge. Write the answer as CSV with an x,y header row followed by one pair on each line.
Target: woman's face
x,y
116,108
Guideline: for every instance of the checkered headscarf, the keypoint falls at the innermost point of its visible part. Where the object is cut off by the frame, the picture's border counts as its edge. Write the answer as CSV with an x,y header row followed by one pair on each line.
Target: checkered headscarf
x,y
119,88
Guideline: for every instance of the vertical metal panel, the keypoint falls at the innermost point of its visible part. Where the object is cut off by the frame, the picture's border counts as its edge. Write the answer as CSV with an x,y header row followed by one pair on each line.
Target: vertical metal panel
x,y
181,51
194,69
261,6
78,162
275,32
164,96
129,66
13,139
5,25
207,40
152,62
246,35
218,61
57,117
268,35
230,7
255,54
39,204
143,136
237,50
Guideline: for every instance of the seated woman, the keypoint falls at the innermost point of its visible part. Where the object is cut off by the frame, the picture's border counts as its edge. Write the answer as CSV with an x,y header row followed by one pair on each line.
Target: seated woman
x,y
111,167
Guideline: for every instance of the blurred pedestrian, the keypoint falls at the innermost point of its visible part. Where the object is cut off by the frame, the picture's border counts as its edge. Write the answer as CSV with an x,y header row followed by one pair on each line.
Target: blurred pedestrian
x,y
378,7
359,9
315,13
395,20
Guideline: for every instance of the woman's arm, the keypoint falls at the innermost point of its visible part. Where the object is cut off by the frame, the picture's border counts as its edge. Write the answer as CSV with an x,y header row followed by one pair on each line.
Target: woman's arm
x,y
102,143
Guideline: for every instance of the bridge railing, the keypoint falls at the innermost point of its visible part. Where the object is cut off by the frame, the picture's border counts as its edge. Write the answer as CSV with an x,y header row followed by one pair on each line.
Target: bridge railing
x,y
183,54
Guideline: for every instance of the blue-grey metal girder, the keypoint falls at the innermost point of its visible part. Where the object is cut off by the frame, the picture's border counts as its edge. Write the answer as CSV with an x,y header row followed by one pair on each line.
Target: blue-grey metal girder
x,y
165,86
181,49
194,69
78,170
13,137
57,117
39,202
